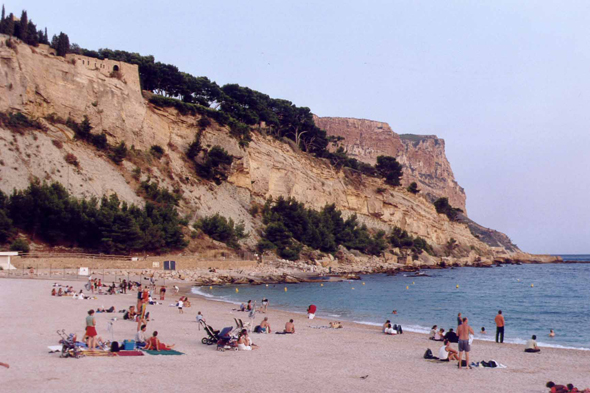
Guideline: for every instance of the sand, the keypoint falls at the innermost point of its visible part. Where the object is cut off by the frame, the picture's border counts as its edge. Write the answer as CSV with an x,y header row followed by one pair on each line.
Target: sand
x,y
319,360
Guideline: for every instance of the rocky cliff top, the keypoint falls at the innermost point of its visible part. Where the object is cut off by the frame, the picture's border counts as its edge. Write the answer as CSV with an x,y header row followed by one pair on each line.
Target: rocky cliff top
x,y
422,156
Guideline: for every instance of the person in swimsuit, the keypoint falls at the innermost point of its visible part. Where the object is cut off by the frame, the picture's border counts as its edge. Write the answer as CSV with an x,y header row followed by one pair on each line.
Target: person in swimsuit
x,y
290,327
154,344
464,330
265,326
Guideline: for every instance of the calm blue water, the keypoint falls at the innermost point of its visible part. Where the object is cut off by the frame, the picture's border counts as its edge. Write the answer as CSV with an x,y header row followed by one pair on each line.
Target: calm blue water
x,y
558,299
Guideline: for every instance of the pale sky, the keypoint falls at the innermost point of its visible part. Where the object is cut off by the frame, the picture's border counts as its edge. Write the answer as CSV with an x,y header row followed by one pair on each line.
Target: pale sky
x,y
505,83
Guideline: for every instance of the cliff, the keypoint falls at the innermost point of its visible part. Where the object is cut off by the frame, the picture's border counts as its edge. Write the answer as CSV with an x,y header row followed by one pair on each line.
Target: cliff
x,y
422,156
44,86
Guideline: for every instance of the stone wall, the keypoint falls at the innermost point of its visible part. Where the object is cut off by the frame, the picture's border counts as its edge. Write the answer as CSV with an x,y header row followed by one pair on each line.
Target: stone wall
x,y
182,263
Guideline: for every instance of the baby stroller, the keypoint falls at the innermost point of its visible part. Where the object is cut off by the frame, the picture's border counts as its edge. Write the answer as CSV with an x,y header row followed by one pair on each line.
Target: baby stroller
x,y
226,340
212,335
69,348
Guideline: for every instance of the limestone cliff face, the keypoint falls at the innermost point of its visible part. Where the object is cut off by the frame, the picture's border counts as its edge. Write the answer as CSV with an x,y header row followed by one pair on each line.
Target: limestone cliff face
x,y
423,156
39,84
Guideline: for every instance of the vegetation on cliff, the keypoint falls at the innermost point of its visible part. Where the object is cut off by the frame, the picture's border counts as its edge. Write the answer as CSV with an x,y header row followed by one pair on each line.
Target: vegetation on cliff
x,y
443,207
221,229
290,225
49,213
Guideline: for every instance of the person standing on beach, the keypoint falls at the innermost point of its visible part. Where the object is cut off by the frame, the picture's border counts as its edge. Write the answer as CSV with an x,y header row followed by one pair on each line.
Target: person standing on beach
x,y
91,330
464,330
459,320
499,327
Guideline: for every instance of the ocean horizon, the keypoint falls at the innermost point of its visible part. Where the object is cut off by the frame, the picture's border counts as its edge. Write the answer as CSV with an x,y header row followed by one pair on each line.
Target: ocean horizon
x,y
534,298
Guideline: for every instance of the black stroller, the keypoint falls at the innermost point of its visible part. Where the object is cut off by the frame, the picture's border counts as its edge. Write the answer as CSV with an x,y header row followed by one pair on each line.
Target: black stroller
x,y
69,348
226,340
212,335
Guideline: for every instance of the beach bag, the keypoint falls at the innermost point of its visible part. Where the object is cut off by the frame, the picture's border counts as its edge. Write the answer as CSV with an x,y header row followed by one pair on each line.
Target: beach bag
x,y
257,329
129,345
115,346
428,354
463,363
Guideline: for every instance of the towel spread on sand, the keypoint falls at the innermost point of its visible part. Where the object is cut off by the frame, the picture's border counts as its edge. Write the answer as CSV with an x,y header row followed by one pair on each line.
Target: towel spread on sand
x,y
55,348
170,352
130,353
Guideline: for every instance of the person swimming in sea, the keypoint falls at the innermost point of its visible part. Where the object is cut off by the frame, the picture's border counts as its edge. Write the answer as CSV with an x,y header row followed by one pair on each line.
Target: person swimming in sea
x,y
551,333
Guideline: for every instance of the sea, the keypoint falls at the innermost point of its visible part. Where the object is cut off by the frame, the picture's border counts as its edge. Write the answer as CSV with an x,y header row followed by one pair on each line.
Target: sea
x,y
534,298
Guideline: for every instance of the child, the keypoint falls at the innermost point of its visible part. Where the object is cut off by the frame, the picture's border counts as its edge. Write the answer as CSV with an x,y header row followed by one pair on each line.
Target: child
x,y
180,304
200,319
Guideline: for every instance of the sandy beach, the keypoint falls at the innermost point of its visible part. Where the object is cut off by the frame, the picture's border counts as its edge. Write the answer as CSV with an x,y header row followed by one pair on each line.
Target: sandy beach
x,y
323,360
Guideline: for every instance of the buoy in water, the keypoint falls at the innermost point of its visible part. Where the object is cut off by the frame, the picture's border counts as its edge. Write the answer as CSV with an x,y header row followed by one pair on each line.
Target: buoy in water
x,y
363,283
237,290
285,289
412,282
457,286
321,285
267,285
532,285
210,287
407,287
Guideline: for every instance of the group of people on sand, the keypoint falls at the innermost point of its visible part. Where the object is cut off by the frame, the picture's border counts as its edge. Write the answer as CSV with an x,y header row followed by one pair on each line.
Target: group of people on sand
x,y
463,337
390,329
569,388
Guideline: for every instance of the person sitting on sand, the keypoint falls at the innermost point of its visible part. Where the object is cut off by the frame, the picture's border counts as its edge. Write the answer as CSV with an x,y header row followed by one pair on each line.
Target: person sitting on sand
x,y
556,388
154,344
386,325
451,336
432,332
290,327
264,326
140,339
53,292
440,335
130,314
244,341
446,353
551,333
531,345
389,330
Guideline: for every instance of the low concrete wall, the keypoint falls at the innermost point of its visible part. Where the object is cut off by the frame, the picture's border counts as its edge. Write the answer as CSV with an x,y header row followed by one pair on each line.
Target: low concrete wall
x,y
182,263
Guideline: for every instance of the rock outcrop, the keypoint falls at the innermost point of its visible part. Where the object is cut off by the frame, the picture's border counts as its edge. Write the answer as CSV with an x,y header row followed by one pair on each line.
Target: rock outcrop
x,y
41,85
422,156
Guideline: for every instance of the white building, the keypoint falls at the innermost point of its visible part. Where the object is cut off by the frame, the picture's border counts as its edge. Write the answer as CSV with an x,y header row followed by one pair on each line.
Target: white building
x,y
5,259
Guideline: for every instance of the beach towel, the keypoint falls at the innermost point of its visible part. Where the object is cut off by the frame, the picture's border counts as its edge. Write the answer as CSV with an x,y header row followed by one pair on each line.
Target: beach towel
x,y
98,353
169,352
130,353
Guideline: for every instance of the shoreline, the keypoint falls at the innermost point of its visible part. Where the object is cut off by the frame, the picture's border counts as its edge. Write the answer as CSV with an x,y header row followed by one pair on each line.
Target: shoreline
x,y
423,330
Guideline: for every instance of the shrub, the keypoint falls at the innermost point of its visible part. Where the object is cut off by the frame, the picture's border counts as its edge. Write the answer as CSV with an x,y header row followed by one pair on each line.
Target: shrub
x,y
380,190
443,207
21,245
72,160
157,194
204,122
195,147
18,121
221,229
58,144
157,151
216,164
390,169
413,188
119,153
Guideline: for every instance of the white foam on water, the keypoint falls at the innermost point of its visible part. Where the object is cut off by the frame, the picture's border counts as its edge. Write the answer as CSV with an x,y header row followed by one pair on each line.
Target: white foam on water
x,y
224,299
